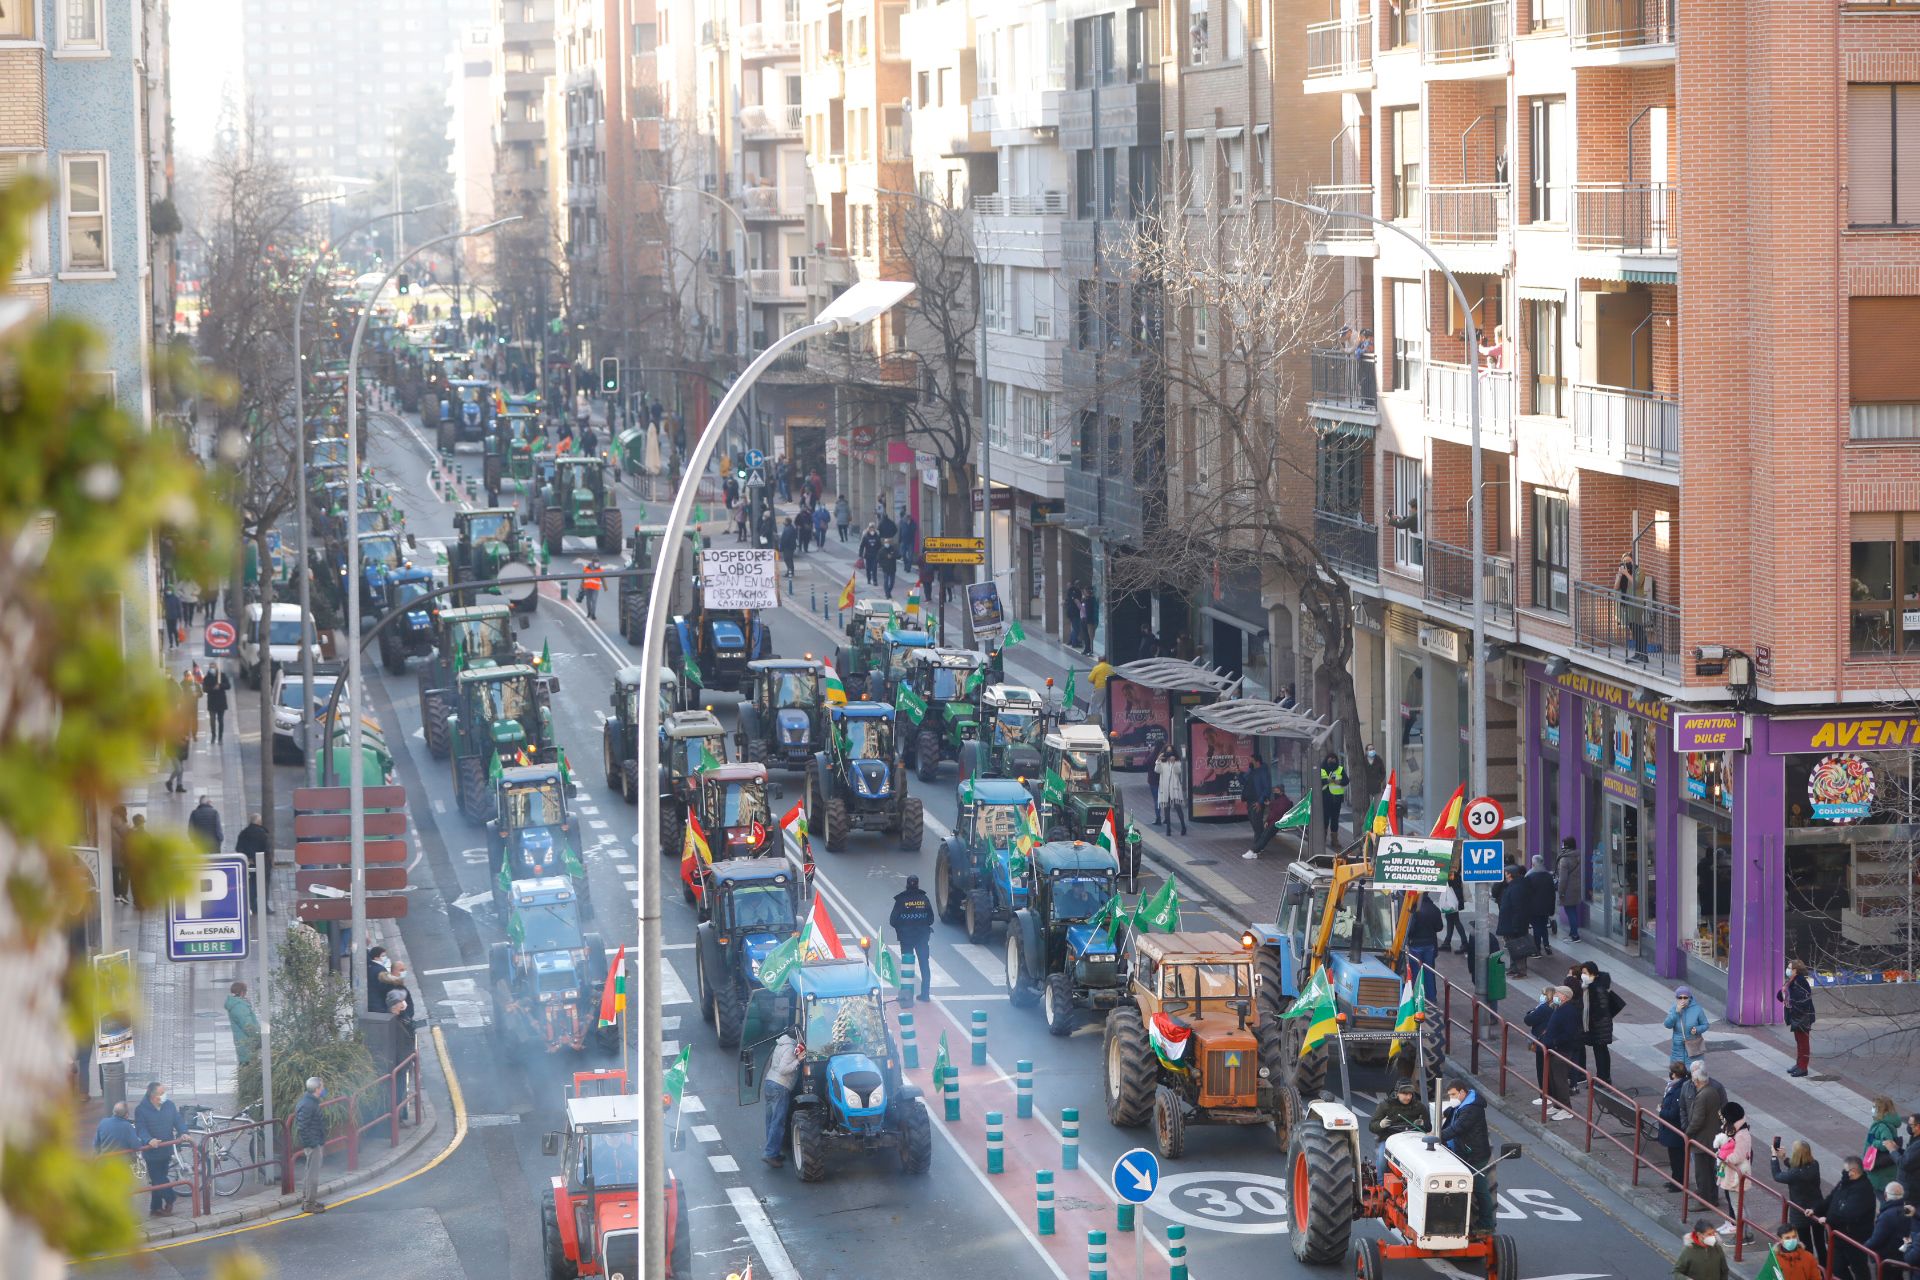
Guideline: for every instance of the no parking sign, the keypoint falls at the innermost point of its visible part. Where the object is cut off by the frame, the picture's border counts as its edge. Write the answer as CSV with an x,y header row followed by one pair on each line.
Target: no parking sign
x,y
220,638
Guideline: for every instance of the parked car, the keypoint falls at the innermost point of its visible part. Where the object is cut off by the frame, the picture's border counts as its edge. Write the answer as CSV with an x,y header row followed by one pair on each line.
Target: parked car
x,y
288,688
280,639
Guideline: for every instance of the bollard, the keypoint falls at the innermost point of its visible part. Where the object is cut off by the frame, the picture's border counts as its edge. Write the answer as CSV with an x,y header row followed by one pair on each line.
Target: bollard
x,y
909,976
1023,1089
1043,1199
1096,1255
1069,1137
1123,1217
909,1046
996,1156
979,1037
953,1095
1176,1252
813,598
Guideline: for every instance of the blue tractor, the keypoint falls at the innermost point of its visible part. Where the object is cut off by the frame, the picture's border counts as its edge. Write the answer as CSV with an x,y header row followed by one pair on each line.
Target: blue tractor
x,y
850,1093
411,635
1055,956
533,833
712,647
754,905
974,883
858,783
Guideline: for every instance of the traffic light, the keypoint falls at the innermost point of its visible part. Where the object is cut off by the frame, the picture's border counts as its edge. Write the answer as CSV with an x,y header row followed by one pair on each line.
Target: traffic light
x,y
406,285
610,374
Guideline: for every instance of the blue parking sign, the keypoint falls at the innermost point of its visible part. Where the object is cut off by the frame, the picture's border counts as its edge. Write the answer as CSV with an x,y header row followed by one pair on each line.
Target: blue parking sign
x,y
209,921
1482,861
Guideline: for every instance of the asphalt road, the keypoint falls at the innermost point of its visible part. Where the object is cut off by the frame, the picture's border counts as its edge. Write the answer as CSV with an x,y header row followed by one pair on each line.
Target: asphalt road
x,y
476,1215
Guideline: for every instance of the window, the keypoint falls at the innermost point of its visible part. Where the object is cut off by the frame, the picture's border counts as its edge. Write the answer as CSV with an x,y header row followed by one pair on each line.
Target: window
x,y
1083,184
1262,158
1234,156
997,414
893,123
993,283
83,223
1547,167
1141,51
1409,548
1883,154
890,30
1084,336
924,83
1552,561
1109,163
1202,328
81,25
941,88
16,19
1236,28
1409,334
1083,53
1143,181
1883,588
1544,325
1403,127
1883,379
985,67
1549,15
1197,51
1196,173
1403,23
1340,478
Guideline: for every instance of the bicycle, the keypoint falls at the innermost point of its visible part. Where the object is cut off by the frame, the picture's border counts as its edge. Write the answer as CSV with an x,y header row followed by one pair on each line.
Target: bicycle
x,y
224,1155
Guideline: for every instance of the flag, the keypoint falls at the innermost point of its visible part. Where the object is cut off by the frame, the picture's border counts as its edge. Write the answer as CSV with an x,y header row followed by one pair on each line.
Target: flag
x,y
1109,839
974,681
690,669
545,660
1298,818
613,1001
694,848
1315,1003
909,703
846,594
676,1079
941,1064
1447,826
1108,917
1015,634
1386,817
779,962
1770,1269
889,968
1053,789
708,760
1413,1003
822,936
1170,1040
792,816
1161,911
1066,694
836,689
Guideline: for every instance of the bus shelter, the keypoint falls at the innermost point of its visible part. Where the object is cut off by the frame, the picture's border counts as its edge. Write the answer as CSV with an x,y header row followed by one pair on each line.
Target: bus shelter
x,y
1148,702
1222,739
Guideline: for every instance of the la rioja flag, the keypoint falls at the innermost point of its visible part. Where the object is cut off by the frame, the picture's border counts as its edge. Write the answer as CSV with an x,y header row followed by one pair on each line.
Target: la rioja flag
x,y
823,939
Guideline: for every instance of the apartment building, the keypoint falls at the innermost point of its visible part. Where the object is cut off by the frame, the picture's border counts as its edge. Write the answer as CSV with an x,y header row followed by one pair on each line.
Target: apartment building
x,y
470,94
523,64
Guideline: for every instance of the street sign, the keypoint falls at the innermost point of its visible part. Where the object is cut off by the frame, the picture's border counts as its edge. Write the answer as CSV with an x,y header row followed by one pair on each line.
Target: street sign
x,y
738,578
210,921
954,544
1482,861
756,459
220,638
1412,863
954,557
1484,818
757,476
1136,1174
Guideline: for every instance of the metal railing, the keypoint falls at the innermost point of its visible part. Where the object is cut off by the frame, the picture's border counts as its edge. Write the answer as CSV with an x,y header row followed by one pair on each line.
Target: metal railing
x,y
770,122
1349,543
1629,629
1044,204
774,282
770,202
1624,24
1632,426
1469,213
1464,30
1626,217
759,38
1447,399
1342,47
1343,198
1342,378
1449,580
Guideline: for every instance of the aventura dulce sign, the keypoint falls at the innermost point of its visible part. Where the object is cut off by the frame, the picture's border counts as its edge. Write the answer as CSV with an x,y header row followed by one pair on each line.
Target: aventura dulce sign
x,y
738,578
1843,733
1709,731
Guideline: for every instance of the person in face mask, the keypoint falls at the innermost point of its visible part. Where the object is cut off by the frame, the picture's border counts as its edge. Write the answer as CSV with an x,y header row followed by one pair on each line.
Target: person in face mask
x,y
310,1132
1792,1260
1701,1257
156,1121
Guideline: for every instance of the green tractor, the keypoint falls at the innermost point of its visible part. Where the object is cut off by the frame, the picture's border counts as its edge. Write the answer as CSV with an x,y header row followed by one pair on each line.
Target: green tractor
x,y
533,833
885,674
1013,723
620,735
578,502
686,739
866,646
479,636
1075,787
947,721
509,451
491,549
501,717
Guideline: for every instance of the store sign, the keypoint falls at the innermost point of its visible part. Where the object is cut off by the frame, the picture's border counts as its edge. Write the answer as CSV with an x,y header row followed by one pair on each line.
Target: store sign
x,y
1620,741
1593,731
1048,511
1709,731
1443,642
1412,863
1842,733
1614,696
1620,788
1840,788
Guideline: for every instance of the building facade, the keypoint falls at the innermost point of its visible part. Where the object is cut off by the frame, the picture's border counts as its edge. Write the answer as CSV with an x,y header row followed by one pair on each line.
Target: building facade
x,y
470,94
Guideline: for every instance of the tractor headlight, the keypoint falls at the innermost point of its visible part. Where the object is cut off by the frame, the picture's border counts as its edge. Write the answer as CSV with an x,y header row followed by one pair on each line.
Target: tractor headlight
x,y
852,1100
570,995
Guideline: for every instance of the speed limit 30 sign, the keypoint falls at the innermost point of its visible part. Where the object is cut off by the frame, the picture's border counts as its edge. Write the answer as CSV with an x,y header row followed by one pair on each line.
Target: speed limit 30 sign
x,y
1484,818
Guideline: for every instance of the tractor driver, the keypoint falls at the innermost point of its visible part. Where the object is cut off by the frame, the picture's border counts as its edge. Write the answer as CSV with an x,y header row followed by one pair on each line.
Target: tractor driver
x,y
1398,1112
796,689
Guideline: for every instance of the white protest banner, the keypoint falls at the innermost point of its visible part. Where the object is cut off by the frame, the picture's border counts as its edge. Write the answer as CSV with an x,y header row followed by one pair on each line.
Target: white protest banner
x,y
738,578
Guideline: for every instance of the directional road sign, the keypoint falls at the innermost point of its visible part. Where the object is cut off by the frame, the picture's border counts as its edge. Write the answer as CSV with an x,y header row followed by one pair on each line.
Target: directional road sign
x,y
954,544
209,922
1482,861
1135,1175
954,557
756,459
1484,817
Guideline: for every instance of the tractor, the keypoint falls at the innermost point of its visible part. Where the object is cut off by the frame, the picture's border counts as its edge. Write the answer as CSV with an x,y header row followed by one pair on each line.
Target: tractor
x,y
1191,1044
1013,722
974,883
533,833
590,1224
642,549
1330,917
850,1092
480,636
753,906
1075,788
858,782
411,634
686,739
501,716
783,721
731,803
885,675
490,549
474,409
509,451
577,502
866,647
949,721
547,977
1055,956
712,647
620,735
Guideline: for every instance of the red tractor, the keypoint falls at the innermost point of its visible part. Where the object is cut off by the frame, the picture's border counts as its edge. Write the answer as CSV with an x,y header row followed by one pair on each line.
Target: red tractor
x,y
590,1226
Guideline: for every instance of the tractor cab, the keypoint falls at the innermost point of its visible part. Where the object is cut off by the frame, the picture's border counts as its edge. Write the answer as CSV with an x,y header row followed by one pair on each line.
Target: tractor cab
x,y
1063,949
900,642
1013,723
509,449
753,905
328,451
856,782
501,718
865,653
576,501
620,735
715,645
979,876
489,548
732,804
1075,786
547,977
783,721
643,553
473,407
943,682
532,832
687,740
590,1225
478,636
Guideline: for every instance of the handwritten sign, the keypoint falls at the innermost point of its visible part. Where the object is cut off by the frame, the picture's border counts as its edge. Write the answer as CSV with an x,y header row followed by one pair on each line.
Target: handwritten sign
x,y
738,578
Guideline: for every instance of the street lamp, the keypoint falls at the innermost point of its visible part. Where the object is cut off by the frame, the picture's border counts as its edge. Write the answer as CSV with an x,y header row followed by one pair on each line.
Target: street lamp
x,y
356,781
861,304
1476,669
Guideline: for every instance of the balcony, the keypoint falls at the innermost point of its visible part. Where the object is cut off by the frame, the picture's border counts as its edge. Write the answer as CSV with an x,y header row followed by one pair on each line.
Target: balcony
x,y
1639,218
1448,403
1342,47
770,39
1473,214
1344,380
762,122
774,284
1037,204
835,268
1624,24
893,142
1349,543
1462,31
713,32
1449,581
1343,234
1627,425
1630,630
510,132
771,204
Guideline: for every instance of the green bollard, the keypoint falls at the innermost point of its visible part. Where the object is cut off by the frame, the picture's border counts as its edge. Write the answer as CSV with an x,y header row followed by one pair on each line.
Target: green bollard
x,y
1177,1252
1096,1255
1043,1199
953,1095
996,1154
979,1033
1023,1089
1069,1137
1123,1217
909,1042
909,977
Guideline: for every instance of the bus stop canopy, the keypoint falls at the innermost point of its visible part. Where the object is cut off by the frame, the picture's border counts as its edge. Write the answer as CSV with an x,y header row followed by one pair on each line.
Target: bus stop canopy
x,y
1258,718
1177,674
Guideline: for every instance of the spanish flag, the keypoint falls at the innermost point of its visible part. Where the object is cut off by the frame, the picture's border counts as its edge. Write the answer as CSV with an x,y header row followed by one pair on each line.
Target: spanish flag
x,y
1447,826
693,849
846,594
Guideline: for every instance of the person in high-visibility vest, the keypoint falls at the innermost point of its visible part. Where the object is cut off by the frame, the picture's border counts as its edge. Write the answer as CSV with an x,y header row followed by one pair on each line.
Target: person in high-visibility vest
x,y
1333,790
590,588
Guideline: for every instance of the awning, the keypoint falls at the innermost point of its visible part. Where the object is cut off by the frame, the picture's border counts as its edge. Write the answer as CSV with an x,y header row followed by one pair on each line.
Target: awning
x,y
1232,132
1540,293
1336,428
1258,718
1178,674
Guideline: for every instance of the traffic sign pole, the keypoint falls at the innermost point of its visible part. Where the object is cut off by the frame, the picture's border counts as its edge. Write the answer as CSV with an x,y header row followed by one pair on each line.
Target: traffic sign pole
x,y
1483,816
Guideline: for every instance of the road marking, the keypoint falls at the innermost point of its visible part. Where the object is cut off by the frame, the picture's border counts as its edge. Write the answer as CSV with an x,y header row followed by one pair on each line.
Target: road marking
x,y
691,1105
464,1002
598,826
705,1133
991,965
670,1022
491,1119
723,1163
669,1048
672,990
627,868
766,1241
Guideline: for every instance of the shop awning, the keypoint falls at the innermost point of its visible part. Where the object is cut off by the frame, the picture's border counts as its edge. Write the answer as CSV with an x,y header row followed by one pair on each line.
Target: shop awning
x,y
1176,673
1258,718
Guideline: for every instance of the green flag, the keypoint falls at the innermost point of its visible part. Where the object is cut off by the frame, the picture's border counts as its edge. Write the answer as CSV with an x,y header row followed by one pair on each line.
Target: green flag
x,y
1298,818
690,669
1108,917
1066,693
1015,634
974,681
546,657
676,1078
780,962
911,704
699,515
1770,1270
1054,790
1316,1004
941,1065
707,759
889,967
1161,911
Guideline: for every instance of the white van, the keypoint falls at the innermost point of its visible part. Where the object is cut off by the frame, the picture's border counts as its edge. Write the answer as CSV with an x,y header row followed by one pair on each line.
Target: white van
x,y
281,640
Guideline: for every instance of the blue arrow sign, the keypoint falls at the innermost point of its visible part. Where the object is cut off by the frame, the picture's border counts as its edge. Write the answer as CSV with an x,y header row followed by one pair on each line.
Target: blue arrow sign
x,y
1136,1174
209,921
1482,861
756,459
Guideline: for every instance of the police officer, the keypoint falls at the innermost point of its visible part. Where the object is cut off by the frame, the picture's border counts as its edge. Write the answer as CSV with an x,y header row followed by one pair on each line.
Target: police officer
x,y
912,924
1333,790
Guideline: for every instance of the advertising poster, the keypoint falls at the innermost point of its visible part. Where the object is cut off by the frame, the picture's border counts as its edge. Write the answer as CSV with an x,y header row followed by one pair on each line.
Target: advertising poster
x,y
1621,742
1550,716
985,617
1215,761
1593,730
113,1034
1841,789
1141,721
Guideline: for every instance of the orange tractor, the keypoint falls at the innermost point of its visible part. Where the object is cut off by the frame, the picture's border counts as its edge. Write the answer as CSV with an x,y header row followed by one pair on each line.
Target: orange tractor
x,y
590,1225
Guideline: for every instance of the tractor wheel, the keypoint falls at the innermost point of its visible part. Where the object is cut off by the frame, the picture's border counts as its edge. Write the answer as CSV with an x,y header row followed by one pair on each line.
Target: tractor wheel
x,y
633,618
729,1011
680,1260
433,717
1406,1062
913,824
672,825
1267,994
809,1145
470,780
1020,992
946,899
836,833
1271,1042
1321,1179
553,529
609,541
979,915
612,766
926,756
1287,1112
1169,1123
1367,1262
1129,1071
449,437
1506,1258
916,1137
393,656
630,781
559,1266
1057,1003
702,993
1309,1069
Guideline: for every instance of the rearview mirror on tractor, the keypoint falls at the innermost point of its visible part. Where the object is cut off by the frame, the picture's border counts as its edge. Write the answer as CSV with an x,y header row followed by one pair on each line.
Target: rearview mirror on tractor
x,y
549,1144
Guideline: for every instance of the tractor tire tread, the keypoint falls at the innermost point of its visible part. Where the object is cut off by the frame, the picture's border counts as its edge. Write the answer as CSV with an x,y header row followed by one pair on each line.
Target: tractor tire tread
x,y
1130,1096
1322,1218
916,1138
809,1145
1059,1005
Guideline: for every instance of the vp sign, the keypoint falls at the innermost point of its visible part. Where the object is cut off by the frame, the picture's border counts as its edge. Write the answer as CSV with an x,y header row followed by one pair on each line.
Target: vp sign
x,y
209,921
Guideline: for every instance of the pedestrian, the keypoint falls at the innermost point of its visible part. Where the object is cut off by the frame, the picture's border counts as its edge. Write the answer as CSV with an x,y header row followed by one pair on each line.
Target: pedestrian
x,y
1555,1024
1892,1225
820,521
1797,995
1256,784
730,491
1799,1173
1577,1054
377,965
243,1022
1399,1112
869,556
889,566
1153,786
1333,794
1701,1257
803,524
909,539
189,593
1703,1122
842,515
115,1132
1367,380
1688,1022
783,477
789,547
204,823
1452,914
394,979
216,688
1511,922
170,607
1541,895
1566,875
1909,1162
1881,1151
889,531
1279,805
1423,942
1463,1131
1791,1257
1849,1210
176,779
1172,772
783,1068
256,846
190,695
400,1046
310,1132
590,587
1603,1005
589,441
157,1124
741,521
1733,1145
912,923
1672,1133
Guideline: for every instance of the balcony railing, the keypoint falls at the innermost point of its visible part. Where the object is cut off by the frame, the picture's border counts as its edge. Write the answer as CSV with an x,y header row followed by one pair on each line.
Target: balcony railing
x,y
1627,628
1035,204
1474,213
1626,217
1463,30
1449,581
1448,403
1344,379
835,268
1624,24
1342,47
1349,543
770,202
759,39
893,142
1352,198
1632,426
772,283
770,122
